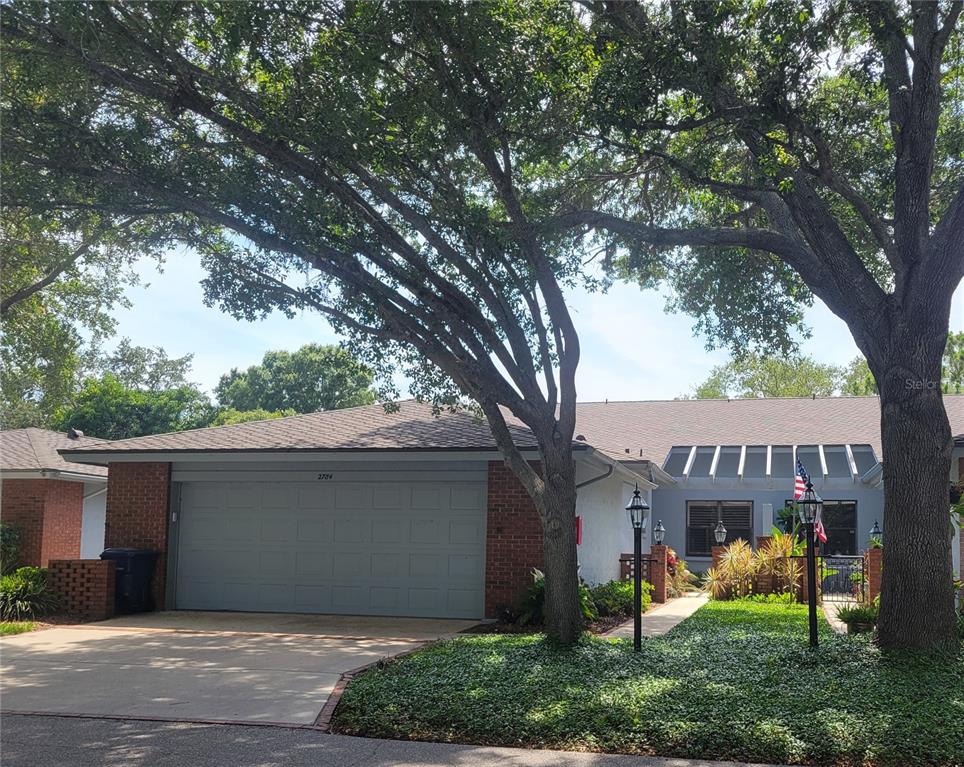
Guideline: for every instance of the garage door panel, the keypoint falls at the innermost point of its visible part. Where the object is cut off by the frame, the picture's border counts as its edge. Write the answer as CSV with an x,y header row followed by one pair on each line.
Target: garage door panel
x,y
394,549
390,531
313,564
348,530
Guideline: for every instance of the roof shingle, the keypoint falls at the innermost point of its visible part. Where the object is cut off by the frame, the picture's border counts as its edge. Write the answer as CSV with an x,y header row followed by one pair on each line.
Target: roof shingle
x,y
34,449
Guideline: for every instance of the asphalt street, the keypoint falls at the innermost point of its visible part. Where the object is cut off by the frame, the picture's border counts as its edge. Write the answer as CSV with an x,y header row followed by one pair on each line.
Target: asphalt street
x,y
52,741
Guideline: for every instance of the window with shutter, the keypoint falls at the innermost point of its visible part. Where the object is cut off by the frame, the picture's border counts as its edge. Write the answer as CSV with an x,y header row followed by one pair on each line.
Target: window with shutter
x,y
702,518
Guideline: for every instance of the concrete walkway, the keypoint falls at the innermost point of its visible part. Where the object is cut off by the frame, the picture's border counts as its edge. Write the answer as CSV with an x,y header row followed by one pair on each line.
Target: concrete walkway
x,y
46,741
661,619
830,613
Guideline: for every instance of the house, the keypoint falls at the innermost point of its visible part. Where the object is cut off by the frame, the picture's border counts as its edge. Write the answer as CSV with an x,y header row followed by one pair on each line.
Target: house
x,y
355,511
733,461
57,505
363,511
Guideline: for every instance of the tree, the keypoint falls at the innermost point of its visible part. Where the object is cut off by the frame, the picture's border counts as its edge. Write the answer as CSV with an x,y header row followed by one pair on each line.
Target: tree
x,y
386,165
814,150
858,381
108,409
313,378
62,275
141,367
232,416
753,375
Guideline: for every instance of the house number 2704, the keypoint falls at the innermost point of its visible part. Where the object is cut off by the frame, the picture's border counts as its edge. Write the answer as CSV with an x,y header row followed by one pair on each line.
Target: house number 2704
x,y
325,475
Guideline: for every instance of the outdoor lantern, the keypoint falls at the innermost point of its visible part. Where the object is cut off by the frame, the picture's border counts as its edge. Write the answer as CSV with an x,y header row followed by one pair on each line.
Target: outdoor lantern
x,y
637,510
720,533
876,532
809,505
659,532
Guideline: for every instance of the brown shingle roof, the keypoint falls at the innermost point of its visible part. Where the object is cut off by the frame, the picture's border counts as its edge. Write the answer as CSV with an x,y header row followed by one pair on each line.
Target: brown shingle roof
x,y
367,427
36,450
646,429
650,429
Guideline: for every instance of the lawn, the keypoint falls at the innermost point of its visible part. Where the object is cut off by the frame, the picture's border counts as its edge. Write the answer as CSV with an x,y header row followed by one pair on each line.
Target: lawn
x,y
8,628
734,681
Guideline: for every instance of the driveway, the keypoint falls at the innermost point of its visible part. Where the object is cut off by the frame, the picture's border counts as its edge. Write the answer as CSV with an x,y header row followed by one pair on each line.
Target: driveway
x,y
239,667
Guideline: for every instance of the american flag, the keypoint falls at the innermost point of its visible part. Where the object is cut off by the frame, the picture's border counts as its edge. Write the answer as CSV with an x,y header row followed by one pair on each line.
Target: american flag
x,y
800,481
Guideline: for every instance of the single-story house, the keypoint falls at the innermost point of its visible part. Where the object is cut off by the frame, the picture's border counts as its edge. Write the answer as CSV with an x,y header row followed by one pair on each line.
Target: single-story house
x,y
57,505
364,511
355,511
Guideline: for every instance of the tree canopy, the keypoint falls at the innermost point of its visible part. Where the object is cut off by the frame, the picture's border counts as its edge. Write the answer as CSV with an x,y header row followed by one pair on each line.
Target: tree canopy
x,y
314,377
432,176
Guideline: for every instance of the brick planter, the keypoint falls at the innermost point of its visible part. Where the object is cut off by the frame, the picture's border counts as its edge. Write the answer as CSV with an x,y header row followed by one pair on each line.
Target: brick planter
x,y
85,587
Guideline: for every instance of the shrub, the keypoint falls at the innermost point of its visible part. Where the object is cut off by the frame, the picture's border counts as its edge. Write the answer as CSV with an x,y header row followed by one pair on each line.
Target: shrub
x,y
680,578
615,599
531,611
769,599
733,575
858,614
9,548
25,594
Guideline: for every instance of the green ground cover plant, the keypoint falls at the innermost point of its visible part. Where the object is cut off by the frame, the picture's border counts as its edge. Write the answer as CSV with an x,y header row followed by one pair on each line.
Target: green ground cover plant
x,y
734,681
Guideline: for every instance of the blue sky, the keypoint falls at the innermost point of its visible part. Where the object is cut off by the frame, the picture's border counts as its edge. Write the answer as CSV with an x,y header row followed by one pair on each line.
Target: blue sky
x,y
631,349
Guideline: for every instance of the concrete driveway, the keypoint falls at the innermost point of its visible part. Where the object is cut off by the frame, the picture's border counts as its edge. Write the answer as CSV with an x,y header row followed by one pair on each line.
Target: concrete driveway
x,y
239,667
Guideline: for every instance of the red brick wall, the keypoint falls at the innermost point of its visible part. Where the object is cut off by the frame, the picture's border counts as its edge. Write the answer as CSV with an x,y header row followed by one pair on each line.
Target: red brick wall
x,y
513,540
137,513
22,504
85,587
48,513
63,519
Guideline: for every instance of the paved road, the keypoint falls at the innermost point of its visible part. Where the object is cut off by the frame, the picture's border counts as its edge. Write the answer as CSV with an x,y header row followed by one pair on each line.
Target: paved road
x,y
47,741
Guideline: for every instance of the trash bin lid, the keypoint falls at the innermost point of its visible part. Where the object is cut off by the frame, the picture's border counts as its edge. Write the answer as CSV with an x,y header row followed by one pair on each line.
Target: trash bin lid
x,y
120,553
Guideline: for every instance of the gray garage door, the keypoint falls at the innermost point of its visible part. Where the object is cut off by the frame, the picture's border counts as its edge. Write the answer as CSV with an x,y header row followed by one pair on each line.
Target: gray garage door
x,y
352,548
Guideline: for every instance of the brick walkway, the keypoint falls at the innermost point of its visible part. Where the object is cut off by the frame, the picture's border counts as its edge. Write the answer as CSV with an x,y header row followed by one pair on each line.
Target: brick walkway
x,y
661,619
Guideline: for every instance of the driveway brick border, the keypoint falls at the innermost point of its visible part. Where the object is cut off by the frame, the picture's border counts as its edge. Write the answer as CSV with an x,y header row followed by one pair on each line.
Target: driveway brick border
x,y
327,713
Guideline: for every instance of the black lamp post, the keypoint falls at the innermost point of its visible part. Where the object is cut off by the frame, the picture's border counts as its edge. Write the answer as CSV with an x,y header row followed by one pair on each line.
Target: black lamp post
x,y
637,516
809,506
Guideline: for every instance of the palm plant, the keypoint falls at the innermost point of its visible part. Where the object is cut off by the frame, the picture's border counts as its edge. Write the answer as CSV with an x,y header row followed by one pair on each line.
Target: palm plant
x,y
734,570
779,558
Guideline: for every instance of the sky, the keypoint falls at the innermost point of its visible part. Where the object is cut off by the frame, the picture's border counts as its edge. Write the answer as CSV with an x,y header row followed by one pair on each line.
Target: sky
x,y
631,348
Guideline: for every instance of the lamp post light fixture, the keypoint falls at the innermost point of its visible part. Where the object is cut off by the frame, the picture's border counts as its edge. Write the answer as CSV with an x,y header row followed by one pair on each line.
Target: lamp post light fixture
x,y
876,532
719,533
808,506
637,516
659,533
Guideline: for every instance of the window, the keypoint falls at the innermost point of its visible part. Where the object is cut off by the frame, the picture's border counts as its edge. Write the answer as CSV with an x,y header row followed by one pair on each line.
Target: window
x,y
840,524
702,518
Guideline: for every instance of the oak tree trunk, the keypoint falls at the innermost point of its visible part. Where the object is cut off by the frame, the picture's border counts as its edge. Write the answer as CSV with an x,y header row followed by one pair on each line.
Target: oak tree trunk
x,y
916,601
563,616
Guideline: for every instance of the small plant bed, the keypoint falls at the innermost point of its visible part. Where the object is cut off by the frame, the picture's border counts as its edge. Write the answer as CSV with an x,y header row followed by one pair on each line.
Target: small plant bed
x,y
734,681
9,628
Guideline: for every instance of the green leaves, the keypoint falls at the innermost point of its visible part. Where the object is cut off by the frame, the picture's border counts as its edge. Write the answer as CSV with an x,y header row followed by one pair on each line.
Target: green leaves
x,y
734,681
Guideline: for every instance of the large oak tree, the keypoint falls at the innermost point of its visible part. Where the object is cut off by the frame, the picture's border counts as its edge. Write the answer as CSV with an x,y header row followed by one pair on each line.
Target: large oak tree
x,y
382,164
799,149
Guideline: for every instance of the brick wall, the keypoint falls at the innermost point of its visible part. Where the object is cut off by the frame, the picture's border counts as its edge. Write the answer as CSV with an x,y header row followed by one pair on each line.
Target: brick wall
x,y
85,587
513,540
137,513
63,519
22,503
48,513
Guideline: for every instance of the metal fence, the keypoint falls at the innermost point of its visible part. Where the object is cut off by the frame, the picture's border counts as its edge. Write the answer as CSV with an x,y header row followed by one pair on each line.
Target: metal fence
x,y
842,578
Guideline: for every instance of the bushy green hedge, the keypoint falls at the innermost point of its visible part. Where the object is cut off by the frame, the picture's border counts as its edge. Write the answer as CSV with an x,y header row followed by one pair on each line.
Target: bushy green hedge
x,y
25,594
531,610
615,599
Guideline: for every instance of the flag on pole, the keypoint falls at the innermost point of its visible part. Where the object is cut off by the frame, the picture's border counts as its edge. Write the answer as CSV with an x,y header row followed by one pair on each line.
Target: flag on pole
x,y
800,481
